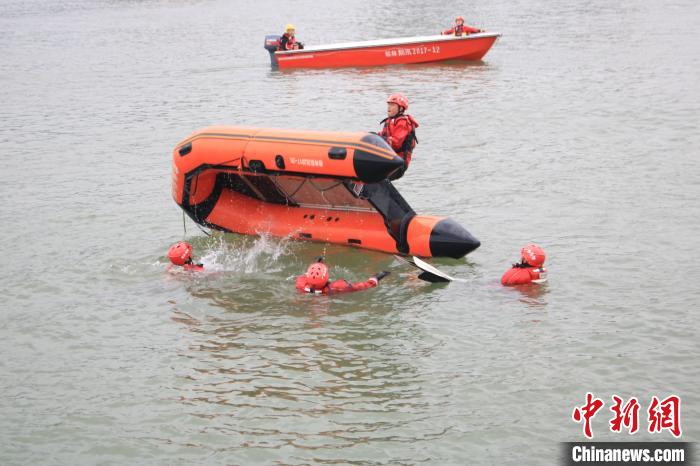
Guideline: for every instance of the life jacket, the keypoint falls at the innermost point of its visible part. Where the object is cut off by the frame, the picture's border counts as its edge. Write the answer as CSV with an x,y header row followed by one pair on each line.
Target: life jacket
x,y
522,274
459,30
286,42
409,142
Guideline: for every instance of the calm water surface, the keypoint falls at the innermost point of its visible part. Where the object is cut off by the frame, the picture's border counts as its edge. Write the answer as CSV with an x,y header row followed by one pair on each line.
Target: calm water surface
x,y
579,131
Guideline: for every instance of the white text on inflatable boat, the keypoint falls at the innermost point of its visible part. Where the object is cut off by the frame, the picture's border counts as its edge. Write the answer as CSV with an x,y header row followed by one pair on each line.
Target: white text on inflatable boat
x,y
306,162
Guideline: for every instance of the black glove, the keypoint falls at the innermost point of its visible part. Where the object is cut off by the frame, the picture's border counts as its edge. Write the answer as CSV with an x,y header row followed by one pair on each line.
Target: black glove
x,y
381,275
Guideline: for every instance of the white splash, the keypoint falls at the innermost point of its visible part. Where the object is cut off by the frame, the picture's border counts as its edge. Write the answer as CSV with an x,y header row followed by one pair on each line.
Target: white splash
x,y
242,255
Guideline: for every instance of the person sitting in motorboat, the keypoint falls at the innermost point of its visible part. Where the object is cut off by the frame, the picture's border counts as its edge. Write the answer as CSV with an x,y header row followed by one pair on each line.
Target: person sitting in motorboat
x,y
459,28
180,254
316,280
530,269
399,129
288,40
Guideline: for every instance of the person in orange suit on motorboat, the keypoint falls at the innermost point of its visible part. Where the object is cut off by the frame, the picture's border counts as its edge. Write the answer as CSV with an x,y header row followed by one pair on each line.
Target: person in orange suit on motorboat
x,y
316,280
288,40
180,254
399,129
459,28
530,269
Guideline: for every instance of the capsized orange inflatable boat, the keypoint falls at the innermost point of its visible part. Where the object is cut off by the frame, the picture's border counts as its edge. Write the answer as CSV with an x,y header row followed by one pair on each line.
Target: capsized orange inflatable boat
x,y
311,185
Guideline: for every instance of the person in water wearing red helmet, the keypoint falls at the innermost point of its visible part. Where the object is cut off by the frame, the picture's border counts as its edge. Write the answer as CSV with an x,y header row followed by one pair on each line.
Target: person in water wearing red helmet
x,y
530,269
399,129
181,254
459,28
316,280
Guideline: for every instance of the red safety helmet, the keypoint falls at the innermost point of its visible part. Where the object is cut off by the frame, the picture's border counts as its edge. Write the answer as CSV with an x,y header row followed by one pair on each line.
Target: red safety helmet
x,y
532,255
180,253
398,99
317,275
459,18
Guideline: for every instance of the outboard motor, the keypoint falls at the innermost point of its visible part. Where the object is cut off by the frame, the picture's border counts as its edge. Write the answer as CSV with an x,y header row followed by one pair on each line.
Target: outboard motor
x,y
271,44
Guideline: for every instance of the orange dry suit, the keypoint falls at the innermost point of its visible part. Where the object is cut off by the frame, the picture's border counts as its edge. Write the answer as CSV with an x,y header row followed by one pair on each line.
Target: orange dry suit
x,y
400,133
522,274
338,286
460,30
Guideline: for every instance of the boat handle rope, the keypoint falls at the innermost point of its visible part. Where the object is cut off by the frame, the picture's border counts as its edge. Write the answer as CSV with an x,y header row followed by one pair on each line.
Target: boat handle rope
x,y
184,227
282,190
324,189
196,184
303,182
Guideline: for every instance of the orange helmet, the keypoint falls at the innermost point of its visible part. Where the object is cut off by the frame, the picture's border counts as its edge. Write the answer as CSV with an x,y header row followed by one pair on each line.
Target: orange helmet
x,y
317,275
180,253
532,255
459,18
398,99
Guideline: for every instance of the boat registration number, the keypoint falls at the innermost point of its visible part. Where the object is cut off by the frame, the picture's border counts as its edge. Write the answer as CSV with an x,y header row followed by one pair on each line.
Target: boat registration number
x,y
408,51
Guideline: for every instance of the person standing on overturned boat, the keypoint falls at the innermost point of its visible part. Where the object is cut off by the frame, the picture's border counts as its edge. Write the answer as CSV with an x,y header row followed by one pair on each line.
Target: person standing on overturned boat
x,y
459,28
316,280
399,129
288,40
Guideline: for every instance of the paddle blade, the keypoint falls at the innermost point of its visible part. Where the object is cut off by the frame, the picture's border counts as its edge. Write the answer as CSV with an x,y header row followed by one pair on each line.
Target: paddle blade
x,y
432,278
428,272
405,260
429,269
